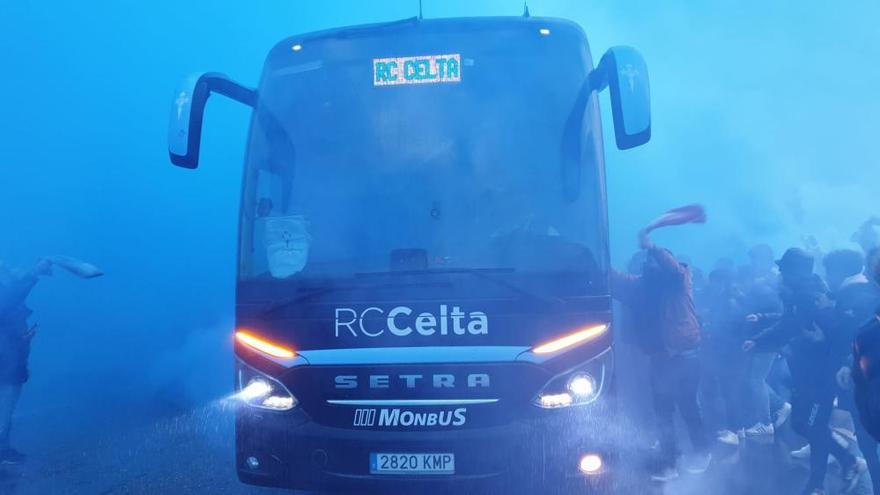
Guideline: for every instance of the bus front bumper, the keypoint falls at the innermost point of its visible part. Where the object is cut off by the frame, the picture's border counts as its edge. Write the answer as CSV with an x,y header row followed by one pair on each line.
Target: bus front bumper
x,y
543,453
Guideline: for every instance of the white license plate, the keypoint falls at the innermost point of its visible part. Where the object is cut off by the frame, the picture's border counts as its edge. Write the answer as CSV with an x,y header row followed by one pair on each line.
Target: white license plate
x,y
383,463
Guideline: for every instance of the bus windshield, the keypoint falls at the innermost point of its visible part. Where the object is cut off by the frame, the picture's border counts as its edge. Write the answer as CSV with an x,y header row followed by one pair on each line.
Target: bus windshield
x,y
494,169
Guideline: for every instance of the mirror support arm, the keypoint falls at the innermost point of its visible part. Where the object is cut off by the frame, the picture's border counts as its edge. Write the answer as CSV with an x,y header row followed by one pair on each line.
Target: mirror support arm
x,y
185,133
221,84
598,77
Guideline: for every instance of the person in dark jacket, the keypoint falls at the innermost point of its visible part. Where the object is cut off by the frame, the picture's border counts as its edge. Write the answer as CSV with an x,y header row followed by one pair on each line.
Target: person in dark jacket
x,y
763,407
855,298
723,319
866,375
816,348
662,311
15,344
865,366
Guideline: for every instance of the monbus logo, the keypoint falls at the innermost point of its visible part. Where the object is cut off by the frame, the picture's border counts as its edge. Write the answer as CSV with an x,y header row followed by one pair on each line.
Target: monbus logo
x,y
400,417
402,321
417,70
364,417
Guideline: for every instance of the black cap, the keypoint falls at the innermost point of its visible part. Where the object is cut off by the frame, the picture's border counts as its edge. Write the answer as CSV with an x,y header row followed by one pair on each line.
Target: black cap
x,y
796,260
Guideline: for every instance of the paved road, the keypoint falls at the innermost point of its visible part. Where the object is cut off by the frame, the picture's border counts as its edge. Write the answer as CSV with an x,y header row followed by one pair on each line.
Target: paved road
x,y
191,453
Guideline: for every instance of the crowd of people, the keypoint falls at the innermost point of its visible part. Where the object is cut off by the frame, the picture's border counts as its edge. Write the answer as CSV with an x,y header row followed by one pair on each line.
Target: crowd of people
x,y
762,347
768,344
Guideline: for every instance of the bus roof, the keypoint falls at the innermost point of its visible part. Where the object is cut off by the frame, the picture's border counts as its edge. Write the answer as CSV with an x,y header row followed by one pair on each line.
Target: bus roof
x,y
405,28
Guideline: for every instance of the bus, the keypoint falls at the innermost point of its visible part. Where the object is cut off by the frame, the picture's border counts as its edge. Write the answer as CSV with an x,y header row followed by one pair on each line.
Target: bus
x,y
422,297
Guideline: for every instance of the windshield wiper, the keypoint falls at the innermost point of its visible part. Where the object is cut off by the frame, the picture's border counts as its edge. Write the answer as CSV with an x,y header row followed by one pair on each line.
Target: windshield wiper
x,y
309,292
487,274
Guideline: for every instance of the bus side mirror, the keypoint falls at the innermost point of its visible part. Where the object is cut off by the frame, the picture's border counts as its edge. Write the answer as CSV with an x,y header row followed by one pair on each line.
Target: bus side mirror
x,y
188,109
622,69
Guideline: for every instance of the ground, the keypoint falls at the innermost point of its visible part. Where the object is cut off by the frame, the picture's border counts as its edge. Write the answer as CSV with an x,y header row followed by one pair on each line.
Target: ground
x,y
192,453
187,448
189,453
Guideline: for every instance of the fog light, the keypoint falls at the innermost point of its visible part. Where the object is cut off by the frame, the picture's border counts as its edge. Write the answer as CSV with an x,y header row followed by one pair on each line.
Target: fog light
x,y
590,464
550,401
582,385
253,462
279,403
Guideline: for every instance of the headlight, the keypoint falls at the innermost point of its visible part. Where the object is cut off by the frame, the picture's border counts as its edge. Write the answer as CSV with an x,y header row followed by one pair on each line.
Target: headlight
x,y
577,387
580,389
255,389
582,385
258,390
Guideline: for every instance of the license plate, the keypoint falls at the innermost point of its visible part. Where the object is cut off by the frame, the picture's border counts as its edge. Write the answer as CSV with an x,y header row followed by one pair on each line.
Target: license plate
x,y
383,463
